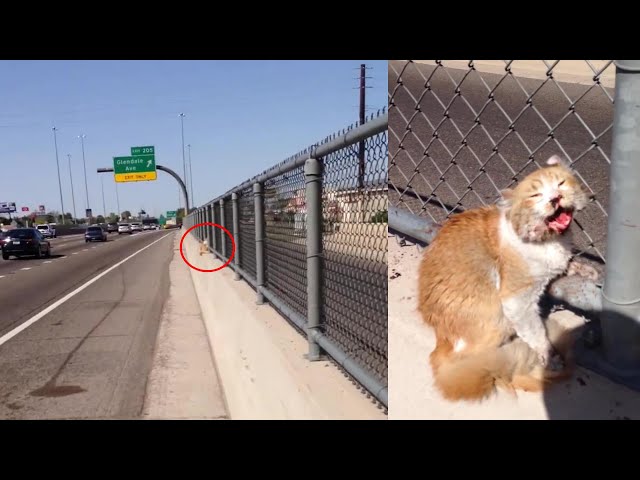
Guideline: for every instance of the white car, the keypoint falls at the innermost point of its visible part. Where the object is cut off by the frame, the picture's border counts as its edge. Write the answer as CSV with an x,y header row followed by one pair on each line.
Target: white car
x,y
47,231
124,228
136,227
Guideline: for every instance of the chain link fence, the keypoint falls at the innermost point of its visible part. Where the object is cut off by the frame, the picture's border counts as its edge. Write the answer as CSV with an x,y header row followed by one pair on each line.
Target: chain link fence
x,y
312,241
461,131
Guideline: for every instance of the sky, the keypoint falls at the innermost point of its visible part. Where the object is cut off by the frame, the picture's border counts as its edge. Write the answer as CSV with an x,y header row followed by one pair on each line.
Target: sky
x,y
241,118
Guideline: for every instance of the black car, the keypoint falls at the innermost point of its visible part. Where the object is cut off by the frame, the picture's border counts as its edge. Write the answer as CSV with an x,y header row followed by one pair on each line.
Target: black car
x,y
95,234
25,241
112,227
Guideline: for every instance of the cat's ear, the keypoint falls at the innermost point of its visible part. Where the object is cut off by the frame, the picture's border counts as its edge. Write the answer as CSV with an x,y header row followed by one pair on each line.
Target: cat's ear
x,y
556,160
506,196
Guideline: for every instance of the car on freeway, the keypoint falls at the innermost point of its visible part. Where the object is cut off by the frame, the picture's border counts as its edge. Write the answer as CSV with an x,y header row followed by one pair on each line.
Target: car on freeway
x,y
146,226
47,230
136,227
95,233
112,228
124,228
21,242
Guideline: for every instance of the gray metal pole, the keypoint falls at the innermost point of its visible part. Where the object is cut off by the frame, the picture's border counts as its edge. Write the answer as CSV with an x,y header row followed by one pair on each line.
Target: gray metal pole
x,y
236,232
84,163
55,142
164,169
73,197
223,247
190,172
361,144
104,207
209,227
313,181
419,228
258,205
621,293
184,163
117,200
214,242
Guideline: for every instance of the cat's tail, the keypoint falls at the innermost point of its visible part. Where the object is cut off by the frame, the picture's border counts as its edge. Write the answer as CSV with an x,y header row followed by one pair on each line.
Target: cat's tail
x,y
475,376
467,377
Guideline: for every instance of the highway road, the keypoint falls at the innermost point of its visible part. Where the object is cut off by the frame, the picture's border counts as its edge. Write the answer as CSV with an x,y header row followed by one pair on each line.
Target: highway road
x,y
78,330
431,184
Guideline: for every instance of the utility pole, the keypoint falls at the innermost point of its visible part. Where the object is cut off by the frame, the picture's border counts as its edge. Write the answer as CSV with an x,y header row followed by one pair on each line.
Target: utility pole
x,y
184,162
361,146
55,142
104,208
84,163
118,201
191,175
73,197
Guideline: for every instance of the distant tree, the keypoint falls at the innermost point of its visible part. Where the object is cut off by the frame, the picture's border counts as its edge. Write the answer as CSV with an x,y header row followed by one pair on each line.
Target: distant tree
x,y
112,218
100,219
126,215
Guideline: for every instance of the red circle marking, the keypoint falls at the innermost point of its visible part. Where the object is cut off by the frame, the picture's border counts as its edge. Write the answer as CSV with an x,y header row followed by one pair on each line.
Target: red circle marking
x,y
233,246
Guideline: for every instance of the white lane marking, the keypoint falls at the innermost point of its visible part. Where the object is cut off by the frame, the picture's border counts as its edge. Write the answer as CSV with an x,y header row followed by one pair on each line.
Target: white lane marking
x,y
8,336
93,247
1,276
75,253
47,261
26,268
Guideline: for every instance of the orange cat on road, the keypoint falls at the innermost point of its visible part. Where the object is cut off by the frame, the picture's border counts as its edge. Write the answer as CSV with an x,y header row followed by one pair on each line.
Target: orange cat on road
x,y
481,280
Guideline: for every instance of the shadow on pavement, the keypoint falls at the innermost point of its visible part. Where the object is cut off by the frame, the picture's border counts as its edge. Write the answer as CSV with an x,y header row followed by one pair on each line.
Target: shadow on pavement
x,y
596,390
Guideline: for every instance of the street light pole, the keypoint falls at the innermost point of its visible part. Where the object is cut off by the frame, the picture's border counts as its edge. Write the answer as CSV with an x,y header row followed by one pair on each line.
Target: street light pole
x,y
191,175
104,208
73,197
55,142
86,188
117,199
184,163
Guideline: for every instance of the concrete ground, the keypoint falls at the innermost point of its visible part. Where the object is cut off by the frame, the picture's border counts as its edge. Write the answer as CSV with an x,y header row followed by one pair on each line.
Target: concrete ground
x,y
411,391
78,330
260,357
183,383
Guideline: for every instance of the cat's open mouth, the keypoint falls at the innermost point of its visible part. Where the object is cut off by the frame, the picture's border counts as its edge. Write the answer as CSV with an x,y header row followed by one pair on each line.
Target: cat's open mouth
x,y
560,220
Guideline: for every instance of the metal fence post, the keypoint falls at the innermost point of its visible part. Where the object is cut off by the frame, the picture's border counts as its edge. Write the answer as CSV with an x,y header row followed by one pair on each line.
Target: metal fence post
x,y
620,319
313,186
214,242
223,247
209,227
258,205
236,232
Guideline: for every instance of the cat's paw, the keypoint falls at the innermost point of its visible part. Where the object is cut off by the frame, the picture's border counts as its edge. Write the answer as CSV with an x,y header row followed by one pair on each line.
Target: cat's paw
x,y
556,363
583,270
544,358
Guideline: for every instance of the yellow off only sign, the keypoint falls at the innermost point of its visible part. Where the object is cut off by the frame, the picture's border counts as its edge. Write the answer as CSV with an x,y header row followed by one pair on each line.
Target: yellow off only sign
x,y
136,177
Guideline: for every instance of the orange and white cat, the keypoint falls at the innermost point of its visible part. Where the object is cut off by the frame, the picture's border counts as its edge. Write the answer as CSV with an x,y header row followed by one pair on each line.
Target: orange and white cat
x,y
480,282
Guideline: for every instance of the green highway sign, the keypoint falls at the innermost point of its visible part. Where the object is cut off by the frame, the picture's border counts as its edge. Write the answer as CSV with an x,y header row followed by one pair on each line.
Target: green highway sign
x,y
135,168
171,213
150,150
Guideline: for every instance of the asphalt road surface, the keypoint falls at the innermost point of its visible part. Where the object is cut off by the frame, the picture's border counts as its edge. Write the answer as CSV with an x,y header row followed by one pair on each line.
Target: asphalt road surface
x,y
86,351
423,140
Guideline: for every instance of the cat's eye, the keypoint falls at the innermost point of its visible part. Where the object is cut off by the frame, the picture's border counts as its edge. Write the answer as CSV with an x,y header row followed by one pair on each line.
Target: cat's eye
x,y
535,195
561,183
